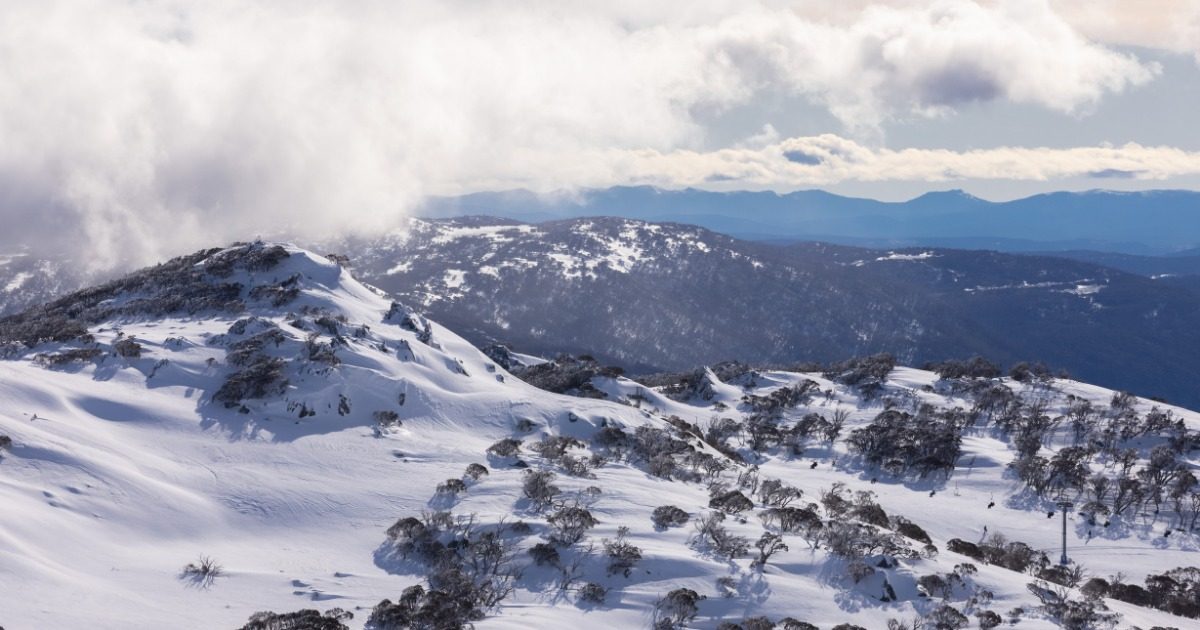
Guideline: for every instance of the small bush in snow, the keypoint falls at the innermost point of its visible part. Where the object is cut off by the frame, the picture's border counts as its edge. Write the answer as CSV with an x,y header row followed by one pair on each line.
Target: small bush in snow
x,y
775,493
544,554
665,516
622,556
451,487
676,609
5,443
539,487
593,593
732,502
988,619
757,623
259,379
792,520
508,447
570,524
909,529
576,466
387,419
476,471
202,572
555,447
768,545
711,533
128,348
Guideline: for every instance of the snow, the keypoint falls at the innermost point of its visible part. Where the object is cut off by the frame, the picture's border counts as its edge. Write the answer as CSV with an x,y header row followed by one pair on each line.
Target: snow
x,y
454,278
122,471
498,233
909,257
401,267
17,281
1084,289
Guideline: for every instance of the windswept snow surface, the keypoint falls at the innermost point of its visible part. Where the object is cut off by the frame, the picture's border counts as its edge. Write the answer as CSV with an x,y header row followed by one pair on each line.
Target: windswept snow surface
x,y
123,470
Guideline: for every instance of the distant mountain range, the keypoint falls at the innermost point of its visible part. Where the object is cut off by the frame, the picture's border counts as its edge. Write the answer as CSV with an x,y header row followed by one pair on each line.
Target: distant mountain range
x,y
664,296
1152,222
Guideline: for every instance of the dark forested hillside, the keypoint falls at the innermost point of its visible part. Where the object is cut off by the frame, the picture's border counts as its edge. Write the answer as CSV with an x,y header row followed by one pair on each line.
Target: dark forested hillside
x,y
667,296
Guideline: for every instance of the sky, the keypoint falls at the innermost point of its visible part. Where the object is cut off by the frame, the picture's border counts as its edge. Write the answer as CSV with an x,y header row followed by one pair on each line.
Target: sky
x,y
135,129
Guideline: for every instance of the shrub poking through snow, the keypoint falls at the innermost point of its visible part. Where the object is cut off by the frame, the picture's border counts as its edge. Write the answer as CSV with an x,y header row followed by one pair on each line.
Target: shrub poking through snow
x,y
768,545
508,447
676,609
711,533
593,593
261,378
570,524
544,554
732,502
539,487
451,487
202,572
909,529
665,516
988,619
128,348
622,556
387,419
476,471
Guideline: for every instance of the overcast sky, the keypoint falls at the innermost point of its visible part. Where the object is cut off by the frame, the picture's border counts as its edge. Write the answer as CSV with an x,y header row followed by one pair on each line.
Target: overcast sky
x,y
131,129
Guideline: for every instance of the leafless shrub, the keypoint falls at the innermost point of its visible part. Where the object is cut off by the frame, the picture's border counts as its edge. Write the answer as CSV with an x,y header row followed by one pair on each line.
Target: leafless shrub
x,y
203,572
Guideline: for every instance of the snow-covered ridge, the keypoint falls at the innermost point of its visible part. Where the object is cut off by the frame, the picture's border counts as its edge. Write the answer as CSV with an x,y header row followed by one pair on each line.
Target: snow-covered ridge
x,y
132,455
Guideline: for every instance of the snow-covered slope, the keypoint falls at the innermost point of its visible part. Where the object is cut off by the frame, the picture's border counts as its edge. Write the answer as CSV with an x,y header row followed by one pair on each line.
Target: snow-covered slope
x,y
259,406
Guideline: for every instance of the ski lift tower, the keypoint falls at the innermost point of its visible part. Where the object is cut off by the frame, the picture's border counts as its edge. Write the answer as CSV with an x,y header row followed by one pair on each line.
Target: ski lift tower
x,y
1064,507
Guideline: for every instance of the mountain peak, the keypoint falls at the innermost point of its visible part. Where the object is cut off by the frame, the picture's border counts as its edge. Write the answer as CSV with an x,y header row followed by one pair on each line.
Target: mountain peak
x,y
953,195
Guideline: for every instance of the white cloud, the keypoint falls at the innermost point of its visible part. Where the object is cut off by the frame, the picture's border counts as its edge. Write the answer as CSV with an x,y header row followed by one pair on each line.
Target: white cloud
x,y
1172,25
143,128
831,159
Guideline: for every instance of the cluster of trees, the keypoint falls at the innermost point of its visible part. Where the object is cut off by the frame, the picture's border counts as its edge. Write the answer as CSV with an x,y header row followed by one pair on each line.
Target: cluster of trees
x,y
902,443
1145,453
278,294
68,356
1140,479
973,368
306,619
781,399
469,569
1069,612
185,285
694,384
258,373
568,375
866,374
1176,591
998,550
